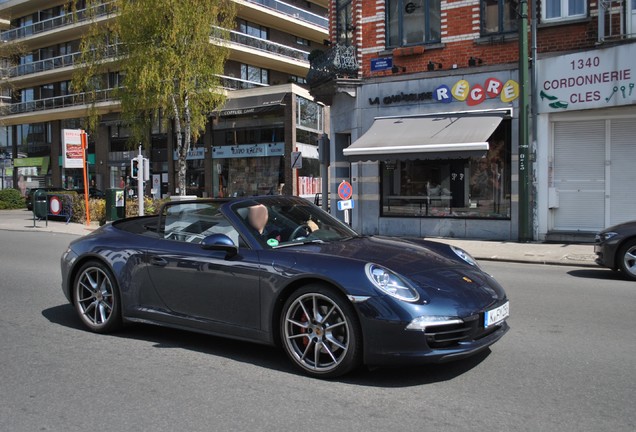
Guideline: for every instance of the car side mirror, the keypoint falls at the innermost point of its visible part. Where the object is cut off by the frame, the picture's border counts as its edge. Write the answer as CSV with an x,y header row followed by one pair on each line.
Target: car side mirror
x,y
220,242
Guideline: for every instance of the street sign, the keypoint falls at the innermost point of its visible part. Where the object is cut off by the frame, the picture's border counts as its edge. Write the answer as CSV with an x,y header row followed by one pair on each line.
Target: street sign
x,y
380,64
296,160
345,205
345,191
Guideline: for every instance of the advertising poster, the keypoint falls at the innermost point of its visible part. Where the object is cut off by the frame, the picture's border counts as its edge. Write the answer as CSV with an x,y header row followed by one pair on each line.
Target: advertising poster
x,y
72,148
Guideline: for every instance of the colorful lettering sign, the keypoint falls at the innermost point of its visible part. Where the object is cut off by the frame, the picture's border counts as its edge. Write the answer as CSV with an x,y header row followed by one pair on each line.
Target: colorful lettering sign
x,y
462,91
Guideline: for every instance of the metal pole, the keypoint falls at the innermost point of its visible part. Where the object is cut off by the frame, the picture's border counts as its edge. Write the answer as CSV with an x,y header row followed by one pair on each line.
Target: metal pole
x,y
140,182
525,222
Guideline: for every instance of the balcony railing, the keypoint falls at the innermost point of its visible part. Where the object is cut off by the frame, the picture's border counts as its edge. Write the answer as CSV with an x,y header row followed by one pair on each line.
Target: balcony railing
x,y
231,83
266,45
293,11
340,61
59,21
55,62
58,102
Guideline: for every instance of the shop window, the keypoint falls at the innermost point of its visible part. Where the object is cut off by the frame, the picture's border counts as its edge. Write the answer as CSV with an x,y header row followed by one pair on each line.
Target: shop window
x,y
498,16
249,176
555,10
455,188
411,22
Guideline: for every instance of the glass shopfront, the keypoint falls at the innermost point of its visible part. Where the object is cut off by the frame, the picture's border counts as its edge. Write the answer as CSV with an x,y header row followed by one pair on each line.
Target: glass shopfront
x,y
248,161
454,188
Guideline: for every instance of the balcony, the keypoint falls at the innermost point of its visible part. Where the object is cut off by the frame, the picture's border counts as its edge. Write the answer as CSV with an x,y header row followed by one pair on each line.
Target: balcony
x,y
80,16
232,83
21,74
294,12
67,106
284,17
334,71
264,53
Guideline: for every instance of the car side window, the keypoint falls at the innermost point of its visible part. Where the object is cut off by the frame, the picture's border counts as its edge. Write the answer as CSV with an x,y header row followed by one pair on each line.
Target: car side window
x,y
192,222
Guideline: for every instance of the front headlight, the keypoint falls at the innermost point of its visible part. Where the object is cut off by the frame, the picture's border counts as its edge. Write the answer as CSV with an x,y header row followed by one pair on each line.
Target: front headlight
x,y
603,237
464,256
390,283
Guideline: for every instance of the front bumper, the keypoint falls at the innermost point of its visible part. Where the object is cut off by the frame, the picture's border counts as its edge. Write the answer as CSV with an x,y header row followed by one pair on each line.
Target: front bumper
x,y
387,342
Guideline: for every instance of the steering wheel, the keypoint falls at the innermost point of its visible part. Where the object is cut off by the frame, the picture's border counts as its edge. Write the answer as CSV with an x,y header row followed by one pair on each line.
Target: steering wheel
x,y
296,233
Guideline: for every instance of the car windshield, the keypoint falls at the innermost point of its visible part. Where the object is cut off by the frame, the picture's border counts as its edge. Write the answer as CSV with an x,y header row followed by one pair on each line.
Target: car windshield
x,y
278,222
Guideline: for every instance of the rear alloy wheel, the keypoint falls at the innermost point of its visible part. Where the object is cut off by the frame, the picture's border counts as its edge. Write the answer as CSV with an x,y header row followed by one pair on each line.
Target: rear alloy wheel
x,y
320,332
96,298
627,259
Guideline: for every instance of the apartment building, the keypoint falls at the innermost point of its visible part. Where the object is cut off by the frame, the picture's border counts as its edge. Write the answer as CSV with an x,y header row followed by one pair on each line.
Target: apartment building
x,y
425,95
247,146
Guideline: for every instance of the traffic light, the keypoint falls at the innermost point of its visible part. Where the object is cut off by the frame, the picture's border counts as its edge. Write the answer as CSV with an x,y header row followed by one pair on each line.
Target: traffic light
x,y
146,169
134,168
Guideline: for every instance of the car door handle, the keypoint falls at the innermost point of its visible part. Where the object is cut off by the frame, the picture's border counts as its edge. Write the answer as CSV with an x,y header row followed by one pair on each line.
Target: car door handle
x,y
158,261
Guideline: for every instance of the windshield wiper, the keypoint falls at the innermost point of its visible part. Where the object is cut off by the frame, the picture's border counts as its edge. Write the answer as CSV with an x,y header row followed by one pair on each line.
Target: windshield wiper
x,y
299,243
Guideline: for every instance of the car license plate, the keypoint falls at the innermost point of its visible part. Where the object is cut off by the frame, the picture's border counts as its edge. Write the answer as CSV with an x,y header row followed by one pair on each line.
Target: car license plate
x,y
497,315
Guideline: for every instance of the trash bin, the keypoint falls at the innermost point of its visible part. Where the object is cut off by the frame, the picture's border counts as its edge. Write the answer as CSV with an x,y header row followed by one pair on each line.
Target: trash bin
x,y
40,204
115,204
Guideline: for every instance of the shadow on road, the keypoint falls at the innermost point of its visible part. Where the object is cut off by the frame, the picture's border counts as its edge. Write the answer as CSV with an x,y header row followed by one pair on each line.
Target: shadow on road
x,y
270,357
604,274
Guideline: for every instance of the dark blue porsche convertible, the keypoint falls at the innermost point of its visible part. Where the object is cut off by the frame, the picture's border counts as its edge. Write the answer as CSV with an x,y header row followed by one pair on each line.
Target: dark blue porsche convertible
x,y
279,270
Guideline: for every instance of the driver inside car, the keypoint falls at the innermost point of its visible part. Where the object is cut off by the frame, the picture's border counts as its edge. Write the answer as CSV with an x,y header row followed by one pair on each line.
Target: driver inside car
x,y
258,217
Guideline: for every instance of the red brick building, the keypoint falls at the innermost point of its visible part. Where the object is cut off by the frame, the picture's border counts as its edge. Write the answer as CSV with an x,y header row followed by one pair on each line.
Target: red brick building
x,y
424,99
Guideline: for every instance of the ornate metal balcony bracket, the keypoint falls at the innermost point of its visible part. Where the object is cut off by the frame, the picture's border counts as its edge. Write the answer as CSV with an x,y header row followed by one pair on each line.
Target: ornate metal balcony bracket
x,y
338,61
333,71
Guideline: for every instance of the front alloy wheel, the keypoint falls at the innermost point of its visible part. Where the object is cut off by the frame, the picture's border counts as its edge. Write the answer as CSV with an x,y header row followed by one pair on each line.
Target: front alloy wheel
x,y
627,259
320,332
96,298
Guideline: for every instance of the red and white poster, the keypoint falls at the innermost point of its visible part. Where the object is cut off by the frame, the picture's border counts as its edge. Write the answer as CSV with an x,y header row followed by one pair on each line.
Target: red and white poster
x,y
72,148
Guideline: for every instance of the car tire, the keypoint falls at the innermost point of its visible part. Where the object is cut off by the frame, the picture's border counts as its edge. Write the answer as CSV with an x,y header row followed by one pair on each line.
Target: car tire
x,y
320,332
627,259
96,298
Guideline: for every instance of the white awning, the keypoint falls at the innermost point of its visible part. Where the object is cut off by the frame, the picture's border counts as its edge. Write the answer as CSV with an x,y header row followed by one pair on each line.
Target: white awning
x,y
446,136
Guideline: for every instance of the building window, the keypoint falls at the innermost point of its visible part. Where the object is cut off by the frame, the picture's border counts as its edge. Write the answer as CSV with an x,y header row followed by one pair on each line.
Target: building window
x,y
298,80
344,22
563,9
498,16
302,41
254,74
453,188
252,29
411,22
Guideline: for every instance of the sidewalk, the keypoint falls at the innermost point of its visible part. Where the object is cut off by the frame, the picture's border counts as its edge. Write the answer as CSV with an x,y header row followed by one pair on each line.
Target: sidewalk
x,y
537,253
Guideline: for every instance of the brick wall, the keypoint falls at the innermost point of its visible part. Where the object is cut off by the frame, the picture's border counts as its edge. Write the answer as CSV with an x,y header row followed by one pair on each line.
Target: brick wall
x,y
460,37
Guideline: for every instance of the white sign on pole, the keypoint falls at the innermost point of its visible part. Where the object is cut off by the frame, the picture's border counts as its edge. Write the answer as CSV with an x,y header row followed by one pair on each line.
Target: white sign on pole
x,y
296,160
345,205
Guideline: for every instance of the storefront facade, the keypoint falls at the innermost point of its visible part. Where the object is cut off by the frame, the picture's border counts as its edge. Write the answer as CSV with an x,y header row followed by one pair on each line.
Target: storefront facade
x,y
246,150
430,154
586,153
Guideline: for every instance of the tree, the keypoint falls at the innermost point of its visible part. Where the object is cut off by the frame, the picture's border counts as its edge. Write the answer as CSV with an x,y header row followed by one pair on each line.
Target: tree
x,y
168,62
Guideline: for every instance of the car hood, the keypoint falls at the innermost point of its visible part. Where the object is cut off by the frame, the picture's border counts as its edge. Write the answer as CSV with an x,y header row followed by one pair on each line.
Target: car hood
x,y
622,228
441,276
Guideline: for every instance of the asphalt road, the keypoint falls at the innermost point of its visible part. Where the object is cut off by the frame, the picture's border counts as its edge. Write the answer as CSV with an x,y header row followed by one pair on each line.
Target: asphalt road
x,y
568,364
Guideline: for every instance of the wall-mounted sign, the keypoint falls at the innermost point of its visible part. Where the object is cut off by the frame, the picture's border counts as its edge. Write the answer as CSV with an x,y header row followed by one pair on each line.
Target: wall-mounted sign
x,y
471,94
72,148
193,153
592,79
248,150
380,64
